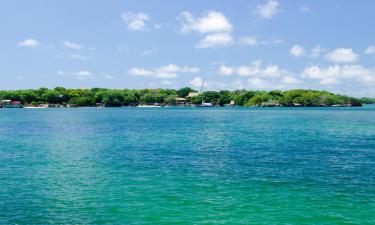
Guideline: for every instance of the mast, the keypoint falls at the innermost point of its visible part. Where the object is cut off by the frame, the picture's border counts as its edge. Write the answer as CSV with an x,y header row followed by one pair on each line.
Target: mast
x,y
200,91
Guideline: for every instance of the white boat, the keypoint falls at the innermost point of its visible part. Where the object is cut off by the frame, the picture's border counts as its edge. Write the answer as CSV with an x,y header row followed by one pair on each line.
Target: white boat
x,y
204,104
149,106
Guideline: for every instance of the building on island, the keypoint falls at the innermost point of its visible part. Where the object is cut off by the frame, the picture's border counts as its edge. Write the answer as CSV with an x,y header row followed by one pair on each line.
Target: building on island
x,y
180,101
192,94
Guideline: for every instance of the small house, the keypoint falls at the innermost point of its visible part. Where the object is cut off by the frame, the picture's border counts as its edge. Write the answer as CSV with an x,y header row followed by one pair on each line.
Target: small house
x,y
180,101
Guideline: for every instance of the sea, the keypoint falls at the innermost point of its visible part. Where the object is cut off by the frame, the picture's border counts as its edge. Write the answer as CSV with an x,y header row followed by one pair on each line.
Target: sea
x,y
183,165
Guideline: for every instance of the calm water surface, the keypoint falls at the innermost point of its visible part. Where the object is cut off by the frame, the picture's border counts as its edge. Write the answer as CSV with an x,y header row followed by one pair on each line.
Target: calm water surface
x,y
185,165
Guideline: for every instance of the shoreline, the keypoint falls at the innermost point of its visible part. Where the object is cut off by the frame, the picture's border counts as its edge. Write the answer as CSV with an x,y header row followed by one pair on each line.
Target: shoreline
x,y
174,106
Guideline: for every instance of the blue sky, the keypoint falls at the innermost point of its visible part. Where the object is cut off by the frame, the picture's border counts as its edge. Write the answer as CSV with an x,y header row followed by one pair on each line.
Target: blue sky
x,y
254,44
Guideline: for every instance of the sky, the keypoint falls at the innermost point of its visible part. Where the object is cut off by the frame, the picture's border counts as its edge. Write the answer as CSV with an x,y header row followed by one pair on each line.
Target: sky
x,y
253,44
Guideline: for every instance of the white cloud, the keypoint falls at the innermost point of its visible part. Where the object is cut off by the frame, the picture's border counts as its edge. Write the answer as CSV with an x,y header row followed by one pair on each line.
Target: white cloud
x,y
342,55
210,22
196,82
316,51
255,41
140,72
297,51
29,43
225,70
370,50
268,10
215,40
79,57
81,75
315,72
333,74
135,21
68,44
254,70
290,80
251,40
168,71
329,81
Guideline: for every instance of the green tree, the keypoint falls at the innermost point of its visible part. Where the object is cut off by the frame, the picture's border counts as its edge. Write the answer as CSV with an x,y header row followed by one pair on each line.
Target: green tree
x,y
224,97
183,92
82,101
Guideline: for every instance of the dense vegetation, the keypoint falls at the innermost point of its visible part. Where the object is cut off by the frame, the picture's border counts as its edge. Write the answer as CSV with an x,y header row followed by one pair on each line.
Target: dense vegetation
x,y
368,100
126,97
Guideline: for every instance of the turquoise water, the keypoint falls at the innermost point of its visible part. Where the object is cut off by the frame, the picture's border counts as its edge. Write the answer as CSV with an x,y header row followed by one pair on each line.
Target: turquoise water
x,y
185,165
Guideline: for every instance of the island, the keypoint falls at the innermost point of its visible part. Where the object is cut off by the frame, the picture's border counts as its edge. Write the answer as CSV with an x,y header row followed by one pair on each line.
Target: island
x,y
102,97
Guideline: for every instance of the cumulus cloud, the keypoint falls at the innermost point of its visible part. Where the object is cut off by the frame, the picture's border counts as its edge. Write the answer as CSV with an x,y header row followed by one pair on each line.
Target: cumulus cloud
x,y
255,69
29,43
261,76
370,50
196,82
210,22
168,71
215,40
255,41
333,74
268,10
225,70
81,75
135,21
297,51
342,55
71,45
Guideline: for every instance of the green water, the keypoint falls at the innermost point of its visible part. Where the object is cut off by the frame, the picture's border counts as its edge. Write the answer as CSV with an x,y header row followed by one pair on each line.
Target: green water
x,y
187,166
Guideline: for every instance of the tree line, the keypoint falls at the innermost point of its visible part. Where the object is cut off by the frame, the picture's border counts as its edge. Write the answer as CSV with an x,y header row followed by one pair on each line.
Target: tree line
x,y
128,97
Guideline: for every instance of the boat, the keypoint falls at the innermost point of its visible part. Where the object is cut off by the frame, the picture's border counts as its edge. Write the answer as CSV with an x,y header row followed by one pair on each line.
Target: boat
x,y
149,106
204,104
